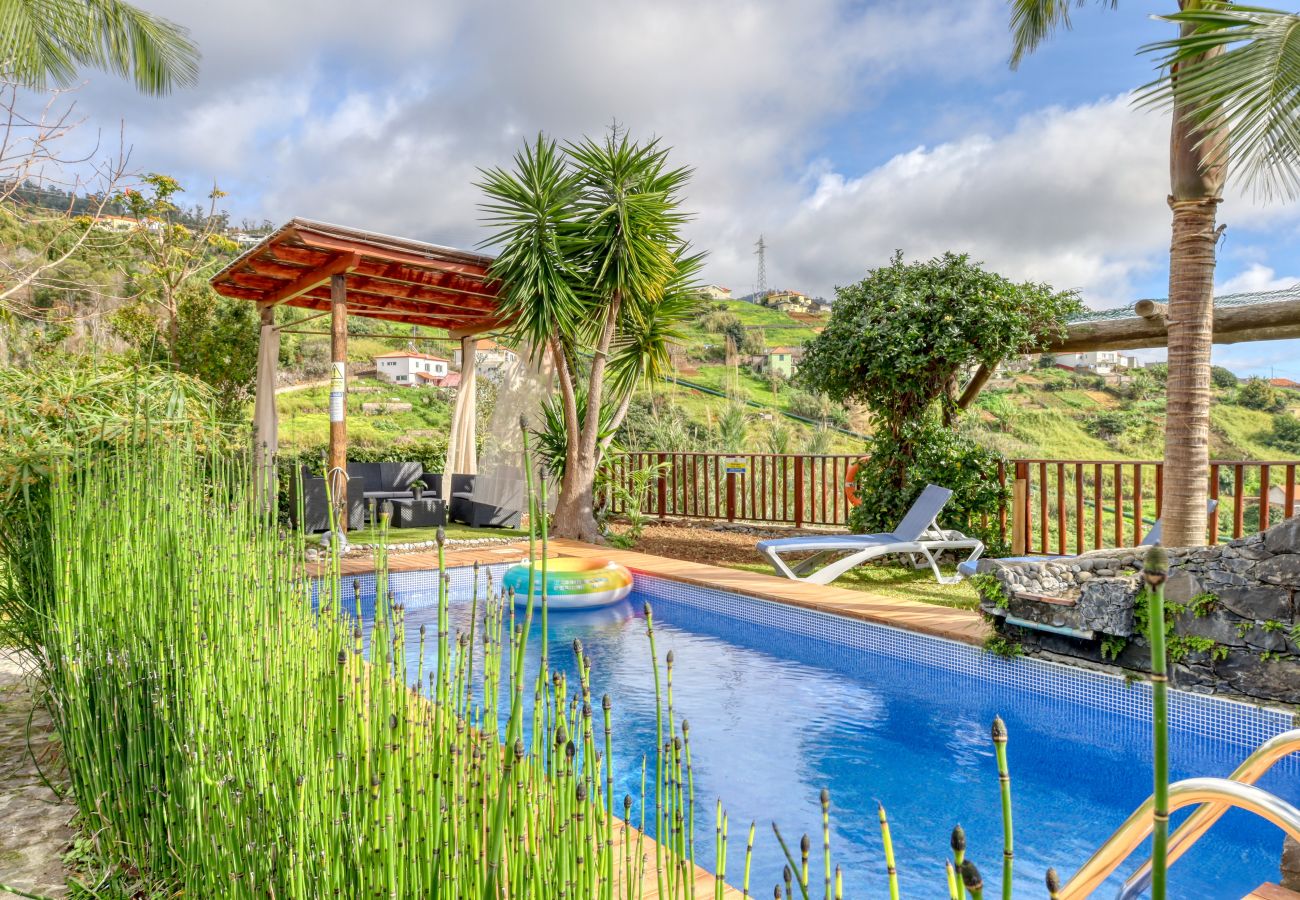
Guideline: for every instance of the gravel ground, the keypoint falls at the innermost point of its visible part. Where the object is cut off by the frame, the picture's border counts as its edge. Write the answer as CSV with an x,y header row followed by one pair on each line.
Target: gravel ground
x,y
34,823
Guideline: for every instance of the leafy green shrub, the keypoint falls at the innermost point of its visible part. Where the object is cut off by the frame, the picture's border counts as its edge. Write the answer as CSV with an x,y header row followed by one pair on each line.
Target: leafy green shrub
x,y
817,406
1112,423
1285,434
63,409
1223,378
944,457
1258,394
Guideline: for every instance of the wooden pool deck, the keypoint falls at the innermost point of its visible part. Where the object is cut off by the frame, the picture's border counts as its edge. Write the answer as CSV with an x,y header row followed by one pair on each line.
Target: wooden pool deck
x,y
939,621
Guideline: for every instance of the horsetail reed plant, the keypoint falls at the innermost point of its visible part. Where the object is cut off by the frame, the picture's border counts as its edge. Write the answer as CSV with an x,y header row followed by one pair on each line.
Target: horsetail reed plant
x,y
887,840
788,872
825,799
958,843
749,858
231,730
1004,784
970,878
1155,571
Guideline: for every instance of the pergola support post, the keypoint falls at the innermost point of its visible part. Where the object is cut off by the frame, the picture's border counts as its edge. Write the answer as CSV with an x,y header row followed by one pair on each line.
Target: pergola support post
x,y
338,448
462,446
266,420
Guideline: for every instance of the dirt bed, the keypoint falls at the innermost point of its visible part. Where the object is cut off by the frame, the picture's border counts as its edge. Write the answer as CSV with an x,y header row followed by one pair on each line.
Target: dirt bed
x,y
701,543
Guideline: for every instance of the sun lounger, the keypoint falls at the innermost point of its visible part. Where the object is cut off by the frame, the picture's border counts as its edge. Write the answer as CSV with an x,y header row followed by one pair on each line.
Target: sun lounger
x,y
971,566
918,536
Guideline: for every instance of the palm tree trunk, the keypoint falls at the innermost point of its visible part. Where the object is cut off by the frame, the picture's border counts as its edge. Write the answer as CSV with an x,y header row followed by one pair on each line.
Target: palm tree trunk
x,y
1187,415
575,513
1197,158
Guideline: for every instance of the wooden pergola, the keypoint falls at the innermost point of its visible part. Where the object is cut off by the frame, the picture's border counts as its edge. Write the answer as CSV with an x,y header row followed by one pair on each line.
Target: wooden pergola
x,y
338,272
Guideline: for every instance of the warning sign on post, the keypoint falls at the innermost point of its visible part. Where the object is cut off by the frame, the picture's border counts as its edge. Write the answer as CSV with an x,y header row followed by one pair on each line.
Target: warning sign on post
x,y
737,465
338,392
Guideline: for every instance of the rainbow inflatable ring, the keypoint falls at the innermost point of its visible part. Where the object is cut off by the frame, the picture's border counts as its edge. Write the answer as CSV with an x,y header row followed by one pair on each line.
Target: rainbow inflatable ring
x,y
571,583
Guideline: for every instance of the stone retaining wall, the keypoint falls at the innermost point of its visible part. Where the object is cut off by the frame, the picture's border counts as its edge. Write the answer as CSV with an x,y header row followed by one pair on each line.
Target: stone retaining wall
x,y
1236,625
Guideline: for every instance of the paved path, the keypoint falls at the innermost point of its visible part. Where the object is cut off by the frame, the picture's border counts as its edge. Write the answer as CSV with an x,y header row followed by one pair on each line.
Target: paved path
x,y
34,830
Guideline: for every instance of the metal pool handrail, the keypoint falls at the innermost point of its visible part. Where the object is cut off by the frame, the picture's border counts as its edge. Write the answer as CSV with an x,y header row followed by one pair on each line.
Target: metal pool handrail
x,y
1215,794
1252,768
1182,793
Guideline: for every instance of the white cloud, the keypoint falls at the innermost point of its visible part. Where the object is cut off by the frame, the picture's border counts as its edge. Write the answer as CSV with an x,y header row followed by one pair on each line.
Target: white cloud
x,y
1073,197
1258,277
381,120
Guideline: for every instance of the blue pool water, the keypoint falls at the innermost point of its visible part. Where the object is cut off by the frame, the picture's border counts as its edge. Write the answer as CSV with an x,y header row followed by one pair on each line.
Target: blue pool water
x,y
782,703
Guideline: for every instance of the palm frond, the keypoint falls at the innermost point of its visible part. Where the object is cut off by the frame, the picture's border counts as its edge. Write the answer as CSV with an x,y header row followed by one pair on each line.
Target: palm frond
x,y
44,42
531,215
629,205
1239,65
644,348
1034,21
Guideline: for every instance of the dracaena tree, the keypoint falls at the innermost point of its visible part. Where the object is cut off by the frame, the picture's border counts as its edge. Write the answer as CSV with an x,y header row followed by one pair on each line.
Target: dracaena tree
x,y
1231,78
595,273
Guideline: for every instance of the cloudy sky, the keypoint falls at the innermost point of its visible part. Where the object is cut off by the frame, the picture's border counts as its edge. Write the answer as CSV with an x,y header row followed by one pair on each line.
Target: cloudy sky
x,y
839,131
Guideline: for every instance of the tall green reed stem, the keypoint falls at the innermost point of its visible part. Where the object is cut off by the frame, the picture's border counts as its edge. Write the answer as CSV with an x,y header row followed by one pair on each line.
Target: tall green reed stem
x,y
1155,572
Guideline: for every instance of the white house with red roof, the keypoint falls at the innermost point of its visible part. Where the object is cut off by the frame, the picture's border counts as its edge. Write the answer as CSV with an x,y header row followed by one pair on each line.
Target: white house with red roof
x,y
410,368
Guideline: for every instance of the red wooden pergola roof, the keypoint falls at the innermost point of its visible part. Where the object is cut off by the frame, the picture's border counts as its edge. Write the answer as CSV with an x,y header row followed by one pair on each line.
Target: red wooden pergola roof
x,y
387,277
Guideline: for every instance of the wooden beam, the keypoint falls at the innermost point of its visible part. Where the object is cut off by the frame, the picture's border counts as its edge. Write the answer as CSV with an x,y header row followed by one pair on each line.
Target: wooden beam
x,y
314,278
299,255
1276,320
974,386
431,320
1151,309
360,303
228,289
341,245
358,283
273,269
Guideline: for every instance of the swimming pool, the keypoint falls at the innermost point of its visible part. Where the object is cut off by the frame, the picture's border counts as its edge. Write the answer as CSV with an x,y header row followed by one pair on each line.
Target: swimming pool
x,y
783,702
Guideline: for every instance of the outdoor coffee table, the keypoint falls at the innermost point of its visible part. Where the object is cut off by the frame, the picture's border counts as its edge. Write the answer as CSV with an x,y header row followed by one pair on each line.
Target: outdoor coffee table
x,y
422,513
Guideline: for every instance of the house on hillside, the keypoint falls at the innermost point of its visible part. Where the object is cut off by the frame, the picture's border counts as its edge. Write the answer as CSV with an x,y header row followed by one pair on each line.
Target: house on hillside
x,y
1098,362
716,292
406,367
784,361
788,301
118,224
489,356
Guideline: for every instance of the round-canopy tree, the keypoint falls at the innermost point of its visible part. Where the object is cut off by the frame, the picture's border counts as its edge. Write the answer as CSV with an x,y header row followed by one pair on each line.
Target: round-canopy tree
x,y
899,342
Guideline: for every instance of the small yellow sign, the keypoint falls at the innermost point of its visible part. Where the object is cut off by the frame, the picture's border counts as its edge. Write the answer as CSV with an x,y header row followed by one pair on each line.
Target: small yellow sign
x,y
737,465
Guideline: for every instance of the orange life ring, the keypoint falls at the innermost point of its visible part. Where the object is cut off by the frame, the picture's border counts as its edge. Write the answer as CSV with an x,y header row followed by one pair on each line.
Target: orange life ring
x,y
851,483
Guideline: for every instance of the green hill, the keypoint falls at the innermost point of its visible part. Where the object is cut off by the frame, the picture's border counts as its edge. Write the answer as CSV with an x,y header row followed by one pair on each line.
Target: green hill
x,y
1044,413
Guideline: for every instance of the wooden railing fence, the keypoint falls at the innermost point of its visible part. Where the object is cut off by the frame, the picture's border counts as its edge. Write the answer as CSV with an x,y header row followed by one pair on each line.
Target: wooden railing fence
x,y
1055,506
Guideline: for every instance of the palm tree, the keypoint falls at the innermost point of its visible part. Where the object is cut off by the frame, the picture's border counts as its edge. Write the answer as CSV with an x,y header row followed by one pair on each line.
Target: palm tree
x,y
1225,99
45,42
593,271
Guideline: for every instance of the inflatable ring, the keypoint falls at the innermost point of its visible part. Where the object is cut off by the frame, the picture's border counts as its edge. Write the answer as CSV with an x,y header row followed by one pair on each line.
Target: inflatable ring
x,y
571,583
851,483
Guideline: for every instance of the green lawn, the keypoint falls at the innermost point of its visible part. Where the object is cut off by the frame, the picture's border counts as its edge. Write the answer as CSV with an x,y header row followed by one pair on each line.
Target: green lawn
x,y
895,582
454,531
304,415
